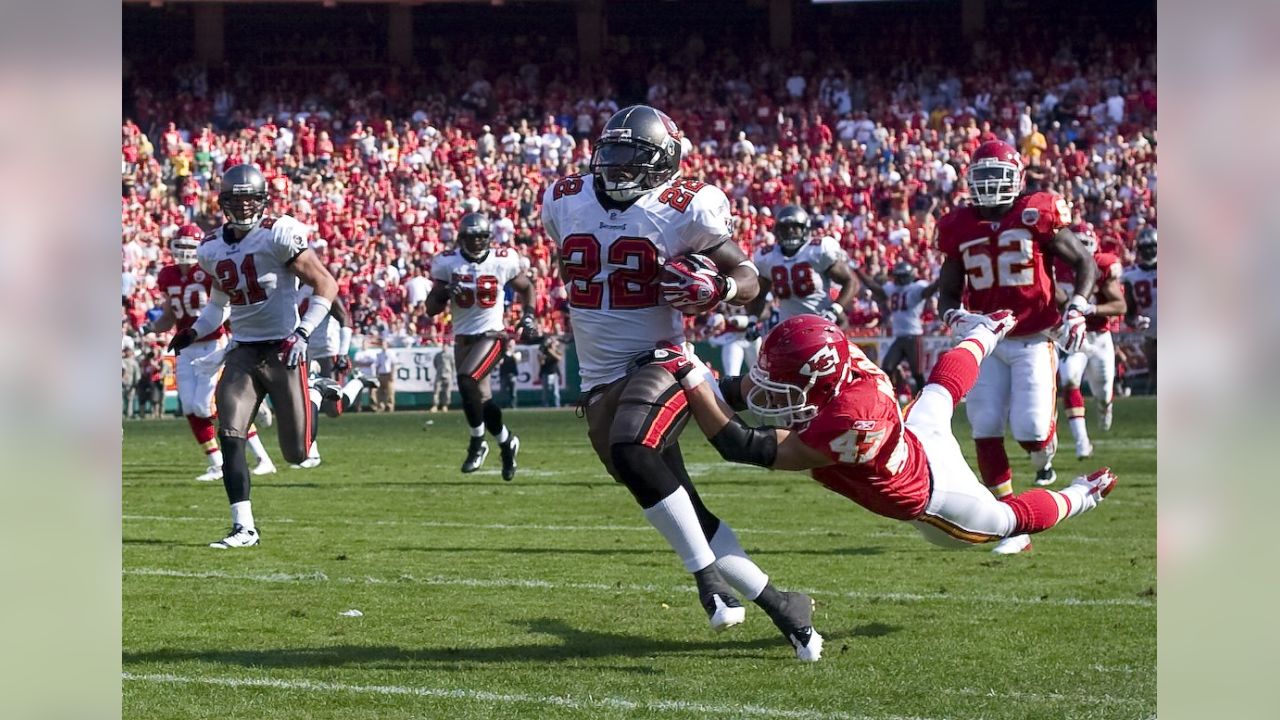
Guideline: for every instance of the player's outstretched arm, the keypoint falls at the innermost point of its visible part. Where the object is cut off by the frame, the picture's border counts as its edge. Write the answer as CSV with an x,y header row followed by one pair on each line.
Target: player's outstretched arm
x,y
877,290
524,286
775,448
166,320
931,288
308,268
733,263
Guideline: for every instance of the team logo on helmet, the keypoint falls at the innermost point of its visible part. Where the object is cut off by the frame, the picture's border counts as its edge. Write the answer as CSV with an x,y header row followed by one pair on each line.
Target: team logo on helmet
x,y
824,362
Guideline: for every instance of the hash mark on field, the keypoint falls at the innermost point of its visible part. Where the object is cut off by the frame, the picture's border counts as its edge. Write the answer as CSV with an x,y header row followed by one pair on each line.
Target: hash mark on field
x,y
279,577
521,527
484,696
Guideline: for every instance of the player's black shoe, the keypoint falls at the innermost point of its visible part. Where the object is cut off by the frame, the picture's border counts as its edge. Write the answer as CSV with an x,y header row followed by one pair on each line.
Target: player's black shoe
x,y
1046,476
477,451
328,389
509,451
794,617
717,598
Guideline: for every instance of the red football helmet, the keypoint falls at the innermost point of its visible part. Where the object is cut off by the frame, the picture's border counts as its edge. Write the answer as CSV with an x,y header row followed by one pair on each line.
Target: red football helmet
x,y
803,364
994,174
183,245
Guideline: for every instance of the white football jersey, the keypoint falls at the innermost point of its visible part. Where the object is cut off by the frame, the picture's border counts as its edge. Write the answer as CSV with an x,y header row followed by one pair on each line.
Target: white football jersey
x,y
610,261
799,283
254,274
326,337
1143,283
906,306
478,306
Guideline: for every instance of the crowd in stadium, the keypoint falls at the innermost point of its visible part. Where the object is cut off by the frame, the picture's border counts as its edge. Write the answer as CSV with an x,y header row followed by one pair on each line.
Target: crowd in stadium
x,y
382,163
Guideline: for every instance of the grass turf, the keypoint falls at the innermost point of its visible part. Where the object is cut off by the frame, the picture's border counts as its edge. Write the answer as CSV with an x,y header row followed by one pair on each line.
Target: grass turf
x,y
550,597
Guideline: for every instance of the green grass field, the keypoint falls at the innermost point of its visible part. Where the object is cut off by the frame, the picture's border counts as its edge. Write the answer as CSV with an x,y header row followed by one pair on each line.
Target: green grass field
x,y
550,597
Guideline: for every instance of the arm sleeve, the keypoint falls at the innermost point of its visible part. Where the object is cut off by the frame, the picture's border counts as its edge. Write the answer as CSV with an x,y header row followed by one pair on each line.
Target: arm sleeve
x,y
708,222
213,314
288,239
440,270
830,253
549,216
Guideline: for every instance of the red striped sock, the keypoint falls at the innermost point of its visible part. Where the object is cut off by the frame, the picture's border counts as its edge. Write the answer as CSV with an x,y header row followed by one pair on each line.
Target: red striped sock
x,y
993,466
1037,510
957,371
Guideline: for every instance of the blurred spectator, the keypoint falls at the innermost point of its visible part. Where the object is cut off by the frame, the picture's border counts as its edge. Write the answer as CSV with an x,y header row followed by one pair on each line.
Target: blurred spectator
x,y
384,396
508,370
130,376
549,371
445,376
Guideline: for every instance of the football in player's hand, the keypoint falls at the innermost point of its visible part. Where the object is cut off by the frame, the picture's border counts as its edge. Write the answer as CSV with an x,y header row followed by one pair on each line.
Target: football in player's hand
x,y
692,284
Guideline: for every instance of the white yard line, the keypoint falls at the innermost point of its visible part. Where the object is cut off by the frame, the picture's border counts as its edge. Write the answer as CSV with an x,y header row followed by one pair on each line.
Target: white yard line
x,y
281,577
522,527
685,707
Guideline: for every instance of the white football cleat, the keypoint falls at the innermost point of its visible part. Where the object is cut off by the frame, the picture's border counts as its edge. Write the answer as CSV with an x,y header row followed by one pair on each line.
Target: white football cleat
x,y
307,464
213,473
1084,449
1012,545
1106,417
1100,482
264,467
240,537
723,611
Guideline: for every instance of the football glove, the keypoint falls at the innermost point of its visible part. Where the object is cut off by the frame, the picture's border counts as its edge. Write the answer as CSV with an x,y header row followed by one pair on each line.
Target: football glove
x,y
691,284
182,339
341,363
834,314
1140,322
293,349
753,331
688,371
1073,329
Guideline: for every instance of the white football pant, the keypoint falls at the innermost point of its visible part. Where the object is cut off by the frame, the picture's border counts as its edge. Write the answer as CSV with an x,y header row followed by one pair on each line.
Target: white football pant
x,y
1017,388
198,368
734,355
961,511
1096,363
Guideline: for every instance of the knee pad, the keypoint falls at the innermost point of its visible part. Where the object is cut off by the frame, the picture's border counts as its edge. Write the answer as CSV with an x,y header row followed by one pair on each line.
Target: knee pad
x,y
642,470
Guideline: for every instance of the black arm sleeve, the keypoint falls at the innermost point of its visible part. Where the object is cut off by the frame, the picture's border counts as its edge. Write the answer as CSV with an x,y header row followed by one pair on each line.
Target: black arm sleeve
x,y
731,389
740,443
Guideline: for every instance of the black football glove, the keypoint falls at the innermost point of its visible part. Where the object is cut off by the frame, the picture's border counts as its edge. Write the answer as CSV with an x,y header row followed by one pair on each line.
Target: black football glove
x,y
182,339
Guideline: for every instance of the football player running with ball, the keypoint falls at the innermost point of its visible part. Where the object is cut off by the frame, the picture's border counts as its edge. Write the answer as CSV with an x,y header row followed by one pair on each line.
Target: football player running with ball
x,y
799,271
470,279
840,421
998,253
638,246
256,263
187,288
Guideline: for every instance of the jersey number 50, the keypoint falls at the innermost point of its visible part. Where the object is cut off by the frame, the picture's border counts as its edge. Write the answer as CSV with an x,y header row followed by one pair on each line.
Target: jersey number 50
x,y
1013,266
633,283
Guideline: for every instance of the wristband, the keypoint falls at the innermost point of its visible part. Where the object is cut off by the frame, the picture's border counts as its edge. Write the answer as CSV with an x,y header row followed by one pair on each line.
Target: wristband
x,y
730,289
317,311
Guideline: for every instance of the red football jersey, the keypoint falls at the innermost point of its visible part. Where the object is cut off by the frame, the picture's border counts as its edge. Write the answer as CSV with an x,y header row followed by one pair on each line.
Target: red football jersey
x,y
1109,269
1004,258
879,464
187,293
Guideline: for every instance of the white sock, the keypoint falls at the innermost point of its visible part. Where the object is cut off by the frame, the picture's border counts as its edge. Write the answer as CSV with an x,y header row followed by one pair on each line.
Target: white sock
x,y
745,576
314,396
351,391
477,431
503,436
242,515
676,519
255,445
1081,499
215,458
313,451
1078,429
1042,459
